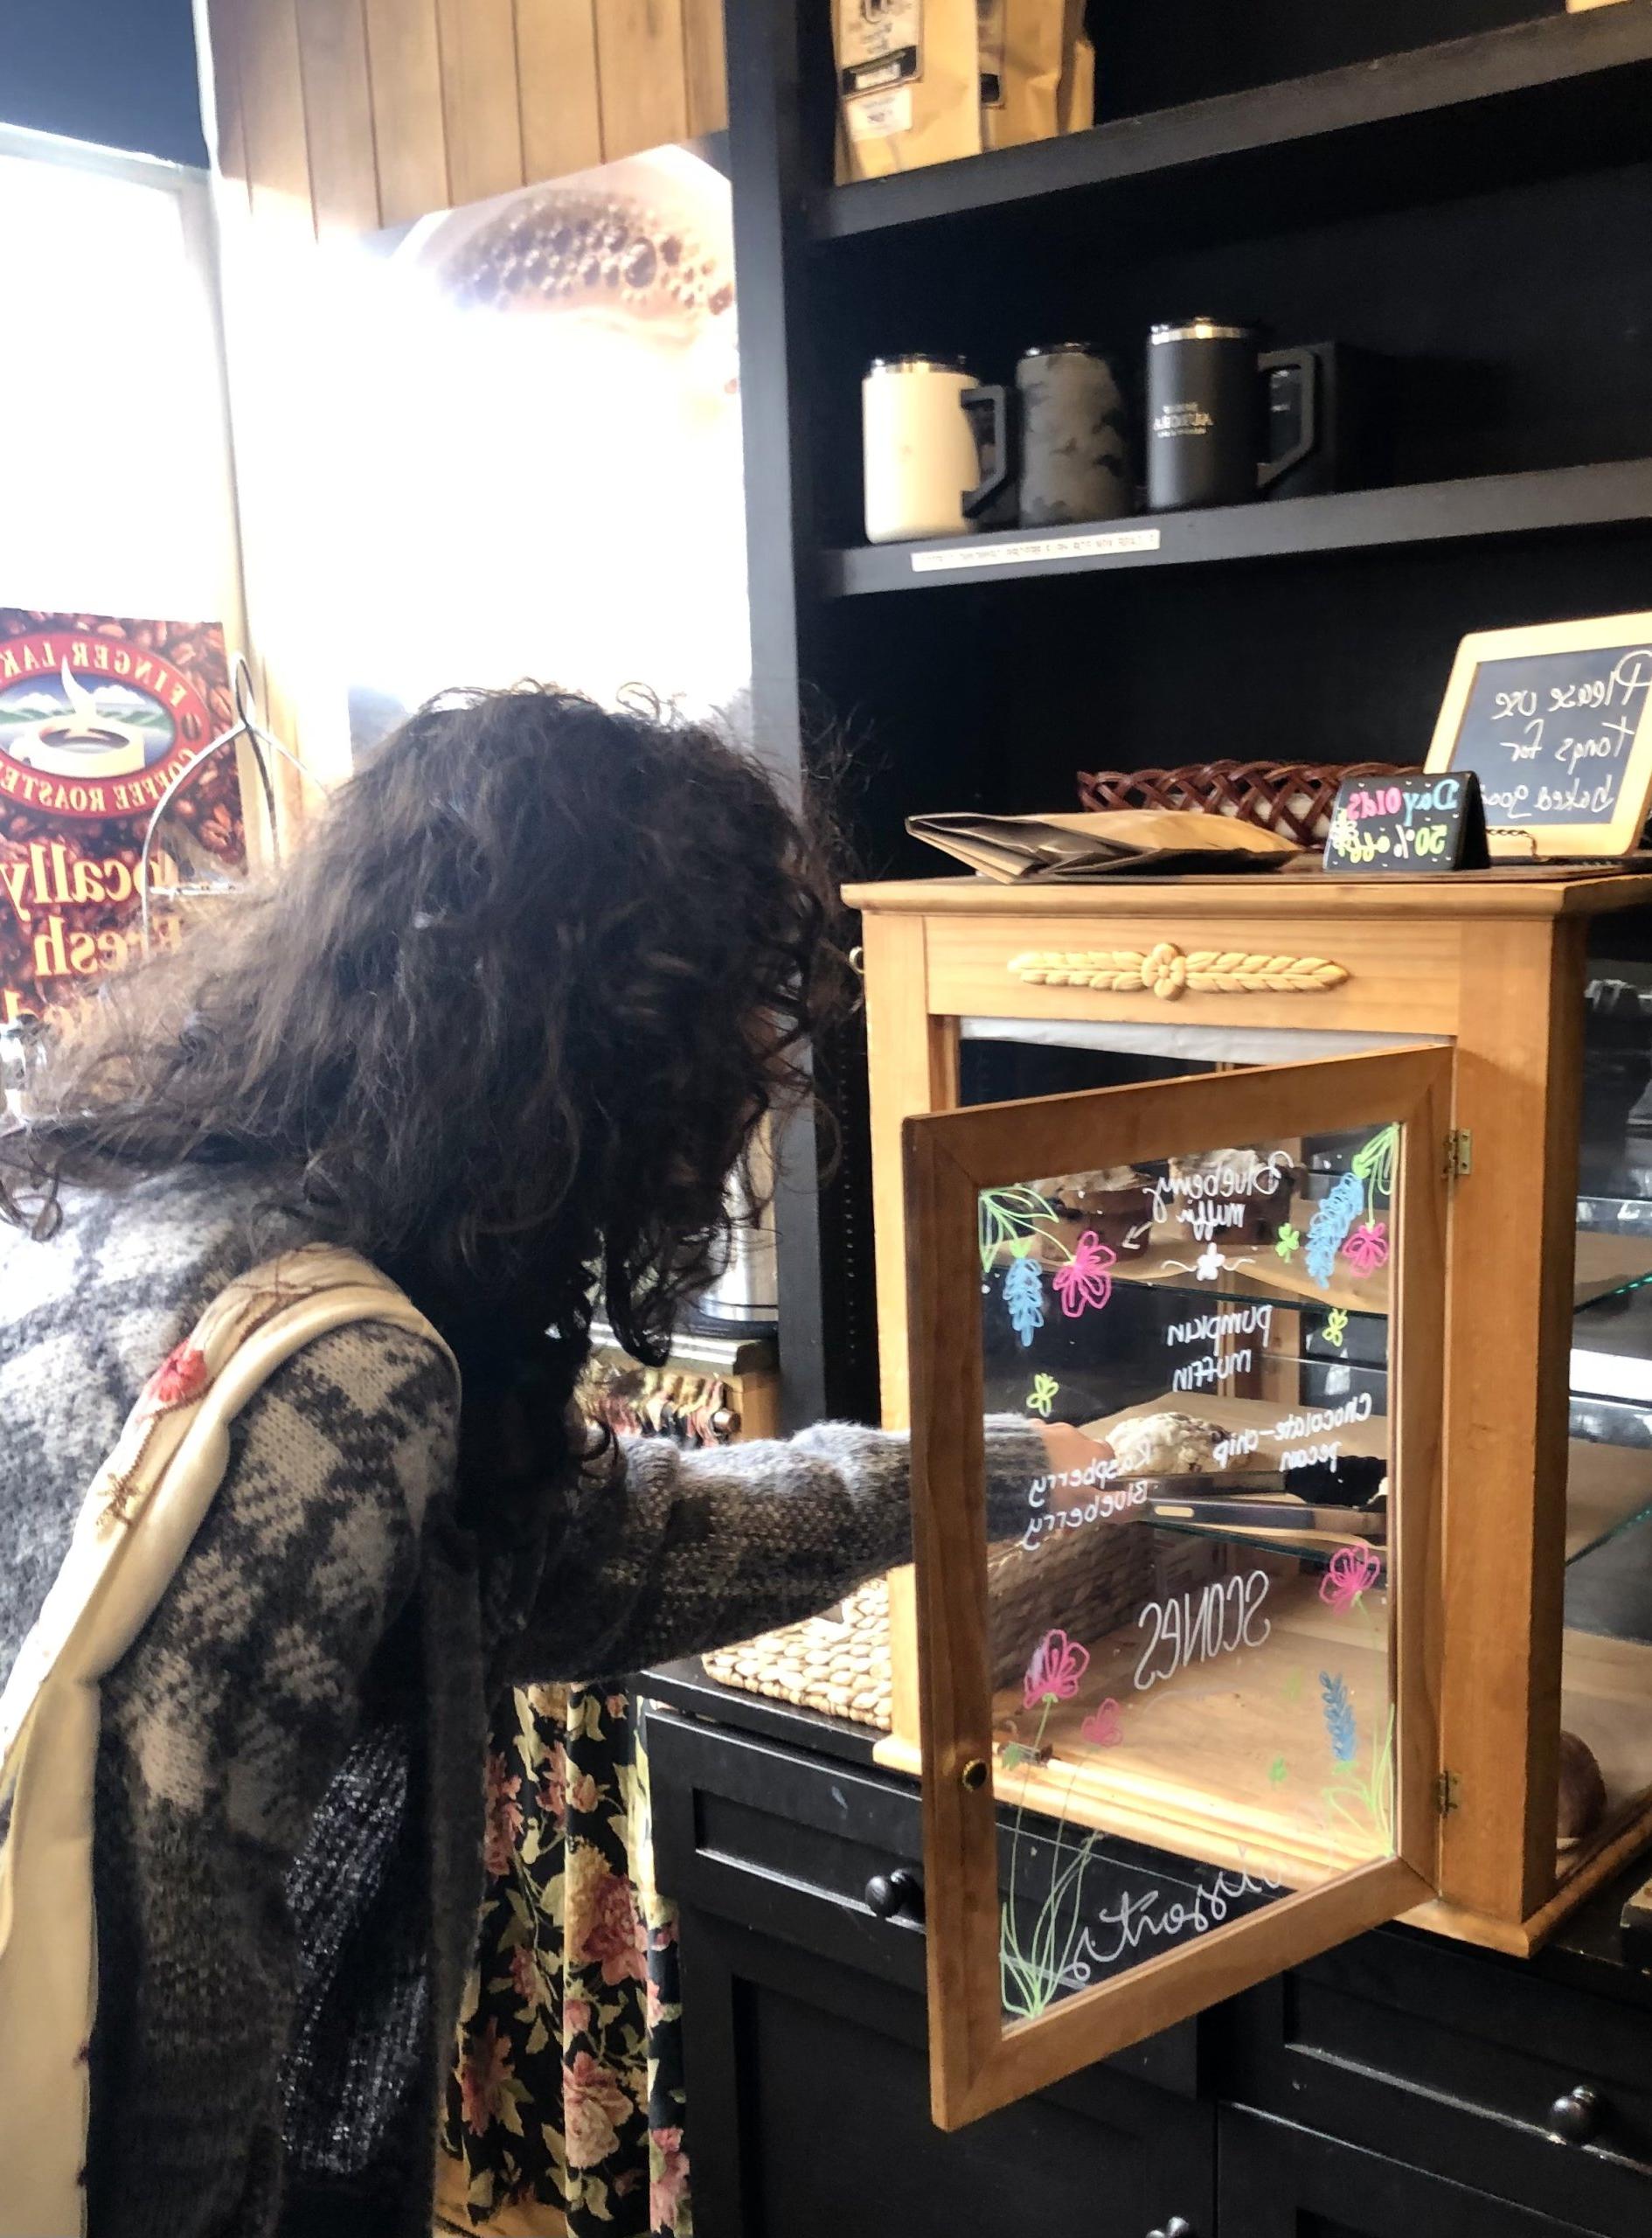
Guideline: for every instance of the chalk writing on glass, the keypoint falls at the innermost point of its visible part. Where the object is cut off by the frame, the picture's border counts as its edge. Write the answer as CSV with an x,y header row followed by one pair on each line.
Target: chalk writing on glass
x,y
1217,1196
1211,1368
1149,1918
1101,1505
1278,1772
1196,1627
1293,1430
1288,1241
1336,1326
1084,1284
1352,1572
1224,1321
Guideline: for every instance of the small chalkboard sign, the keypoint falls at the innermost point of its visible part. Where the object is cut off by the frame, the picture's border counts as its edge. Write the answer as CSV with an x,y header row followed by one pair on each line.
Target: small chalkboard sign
x,y
1410,822
1557,724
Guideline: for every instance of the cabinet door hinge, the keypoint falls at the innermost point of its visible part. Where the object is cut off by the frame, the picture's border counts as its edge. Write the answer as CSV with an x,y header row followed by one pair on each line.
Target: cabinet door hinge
x,y
1448,1793
1459,1154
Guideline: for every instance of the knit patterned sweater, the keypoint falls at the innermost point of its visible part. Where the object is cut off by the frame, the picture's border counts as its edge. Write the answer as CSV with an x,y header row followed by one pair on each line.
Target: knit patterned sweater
x,y
288,1821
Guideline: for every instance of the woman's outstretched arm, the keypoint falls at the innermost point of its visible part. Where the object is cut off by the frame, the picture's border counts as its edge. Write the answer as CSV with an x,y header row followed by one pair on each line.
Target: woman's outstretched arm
x,y
674,1551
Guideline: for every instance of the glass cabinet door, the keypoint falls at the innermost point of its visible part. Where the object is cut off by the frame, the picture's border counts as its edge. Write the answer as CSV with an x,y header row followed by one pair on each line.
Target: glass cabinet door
x,y
1176,1693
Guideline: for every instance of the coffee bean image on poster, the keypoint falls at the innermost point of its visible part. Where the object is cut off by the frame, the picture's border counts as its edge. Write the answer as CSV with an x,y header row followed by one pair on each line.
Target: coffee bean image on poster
x,y
98,714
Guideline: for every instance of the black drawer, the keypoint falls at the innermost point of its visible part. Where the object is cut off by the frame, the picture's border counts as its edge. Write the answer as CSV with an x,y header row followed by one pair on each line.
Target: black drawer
x,y
786,1842
1276,2180
1464,2064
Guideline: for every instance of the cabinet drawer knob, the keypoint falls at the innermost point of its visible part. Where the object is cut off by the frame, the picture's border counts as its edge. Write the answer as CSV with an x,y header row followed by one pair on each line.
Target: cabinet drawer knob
x,y
893,1895
1578,2117
1177,2227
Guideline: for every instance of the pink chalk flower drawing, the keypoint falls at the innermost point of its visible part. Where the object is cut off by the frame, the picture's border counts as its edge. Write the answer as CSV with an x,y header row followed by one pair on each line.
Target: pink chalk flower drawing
x,y
1366,1248
1104,1726
1084,1284
1352,1573
1058,1664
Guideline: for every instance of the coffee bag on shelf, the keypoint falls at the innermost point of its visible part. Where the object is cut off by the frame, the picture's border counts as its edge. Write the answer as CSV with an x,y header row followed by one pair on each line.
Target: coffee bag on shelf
x,y
1075,102
1021,53
908,84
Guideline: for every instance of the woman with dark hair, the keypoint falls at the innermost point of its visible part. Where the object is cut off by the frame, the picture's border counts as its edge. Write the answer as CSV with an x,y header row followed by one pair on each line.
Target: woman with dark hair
x,y
503,1026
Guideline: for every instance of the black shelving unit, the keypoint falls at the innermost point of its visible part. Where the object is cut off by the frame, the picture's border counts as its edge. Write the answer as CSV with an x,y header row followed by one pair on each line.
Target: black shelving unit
x,y
1525,101
1463,186
1539,504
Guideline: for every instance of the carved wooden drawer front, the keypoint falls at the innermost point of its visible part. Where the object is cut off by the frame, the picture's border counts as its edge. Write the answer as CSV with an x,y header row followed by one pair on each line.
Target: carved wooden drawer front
x,y
1295,971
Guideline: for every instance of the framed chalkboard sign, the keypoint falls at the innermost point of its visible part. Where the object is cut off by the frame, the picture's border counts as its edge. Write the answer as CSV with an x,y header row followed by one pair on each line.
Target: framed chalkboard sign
x,y
1556,722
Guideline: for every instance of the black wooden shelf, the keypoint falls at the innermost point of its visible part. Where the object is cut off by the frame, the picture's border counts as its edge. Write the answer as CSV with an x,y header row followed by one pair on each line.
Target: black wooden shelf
x,y
1533,101
1425,512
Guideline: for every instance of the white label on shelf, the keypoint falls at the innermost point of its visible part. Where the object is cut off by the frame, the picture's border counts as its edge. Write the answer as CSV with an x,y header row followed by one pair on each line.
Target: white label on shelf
x,y
1095,544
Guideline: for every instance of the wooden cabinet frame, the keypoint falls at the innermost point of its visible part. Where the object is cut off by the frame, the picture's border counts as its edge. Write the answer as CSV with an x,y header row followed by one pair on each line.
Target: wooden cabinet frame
x,y
977,2064
1492,963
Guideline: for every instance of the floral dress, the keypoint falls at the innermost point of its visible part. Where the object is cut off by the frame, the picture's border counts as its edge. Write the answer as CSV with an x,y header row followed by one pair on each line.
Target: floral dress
x,y
565,2111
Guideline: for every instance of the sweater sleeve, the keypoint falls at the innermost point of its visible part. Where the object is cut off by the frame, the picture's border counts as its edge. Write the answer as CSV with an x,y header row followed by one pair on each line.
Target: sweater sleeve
x,y
681,1550
221,1730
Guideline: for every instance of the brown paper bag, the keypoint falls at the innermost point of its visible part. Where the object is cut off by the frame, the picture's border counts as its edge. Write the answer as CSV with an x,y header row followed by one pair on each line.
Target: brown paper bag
x,y
1021,53
1104,842
1075,103
908,84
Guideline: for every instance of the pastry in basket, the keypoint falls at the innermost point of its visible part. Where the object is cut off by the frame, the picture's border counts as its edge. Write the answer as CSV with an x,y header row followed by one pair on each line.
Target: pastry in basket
x,y
1237,1196
1168,1444
1113,1204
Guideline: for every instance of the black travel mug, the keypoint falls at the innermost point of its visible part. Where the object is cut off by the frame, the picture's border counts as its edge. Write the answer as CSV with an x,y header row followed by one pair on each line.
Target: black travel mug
x,y
1206,414
1075,462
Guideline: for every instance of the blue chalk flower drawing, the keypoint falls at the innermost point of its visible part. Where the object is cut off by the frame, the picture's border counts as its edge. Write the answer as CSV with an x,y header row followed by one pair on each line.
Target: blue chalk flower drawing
x,y
1023,1297
1362,1797
1330,1224
1339,1719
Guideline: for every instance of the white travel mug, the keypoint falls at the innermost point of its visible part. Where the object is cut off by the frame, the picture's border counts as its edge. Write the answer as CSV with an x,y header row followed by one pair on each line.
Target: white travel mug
x,y
925,470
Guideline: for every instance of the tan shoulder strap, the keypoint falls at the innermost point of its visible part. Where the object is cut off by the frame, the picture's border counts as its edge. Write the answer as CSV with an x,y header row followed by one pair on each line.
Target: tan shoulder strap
x,y
135,1528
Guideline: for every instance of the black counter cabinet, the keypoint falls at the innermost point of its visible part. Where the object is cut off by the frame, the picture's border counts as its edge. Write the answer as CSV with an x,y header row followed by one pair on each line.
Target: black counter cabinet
x,y
1396,2087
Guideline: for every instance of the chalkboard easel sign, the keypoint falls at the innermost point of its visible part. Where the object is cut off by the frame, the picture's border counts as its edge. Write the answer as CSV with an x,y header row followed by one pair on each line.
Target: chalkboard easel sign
x,y
1556,722
1408,823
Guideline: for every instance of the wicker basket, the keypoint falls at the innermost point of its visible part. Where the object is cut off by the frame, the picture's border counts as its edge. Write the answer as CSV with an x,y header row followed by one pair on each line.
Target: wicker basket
x,y
1087,1584
1293,798
838,1664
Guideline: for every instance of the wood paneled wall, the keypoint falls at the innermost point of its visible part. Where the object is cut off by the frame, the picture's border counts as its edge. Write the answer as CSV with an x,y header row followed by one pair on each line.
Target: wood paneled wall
x,y
329,119
370,111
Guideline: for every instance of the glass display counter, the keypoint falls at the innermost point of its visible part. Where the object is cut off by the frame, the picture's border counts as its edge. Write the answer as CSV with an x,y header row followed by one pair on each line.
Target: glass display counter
x,y
1349,1616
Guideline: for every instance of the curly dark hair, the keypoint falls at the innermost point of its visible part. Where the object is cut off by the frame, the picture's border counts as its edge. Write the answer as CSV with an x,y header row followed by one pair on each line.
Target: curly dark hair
x,y
504,1024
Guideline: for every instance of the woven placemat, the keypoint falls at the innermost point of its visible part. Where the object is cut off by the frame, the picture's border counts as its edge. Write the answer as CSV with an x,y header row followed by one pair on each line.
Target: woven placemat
x,y
837,1663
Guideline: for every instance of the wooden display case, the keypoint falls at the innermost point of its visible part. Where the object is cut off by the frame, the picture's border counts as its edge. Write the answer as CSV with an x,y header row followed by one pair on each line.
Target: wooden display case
x,y
1386,1740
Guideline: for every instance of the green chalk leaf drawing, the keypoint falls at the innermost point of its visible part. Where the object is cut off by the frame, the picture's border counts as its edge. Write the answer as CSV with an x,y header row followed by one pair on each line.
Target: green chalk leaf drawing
x,y
1278,1772
1288,1241
1337,1327
1014,1218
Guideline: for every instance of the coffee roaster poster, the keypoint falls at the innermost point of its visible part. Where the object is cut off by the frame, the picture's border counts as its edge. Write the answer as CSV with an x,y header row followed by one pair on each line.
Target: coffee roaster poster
x,y
541,472
98,714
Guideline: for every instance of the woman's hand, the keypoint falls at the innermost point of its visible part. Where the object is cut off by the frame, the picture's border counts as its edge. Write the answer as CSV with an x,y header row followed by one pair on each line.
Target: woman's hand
x,y
1071,1452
